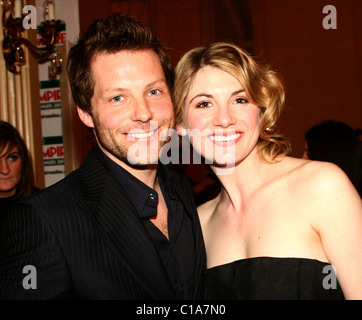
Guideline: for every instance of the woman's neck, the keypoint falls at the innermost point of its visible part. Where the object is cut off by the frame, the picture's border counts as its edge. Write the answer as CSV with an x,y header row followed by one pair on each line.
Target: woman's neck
x,y
7,194
241,181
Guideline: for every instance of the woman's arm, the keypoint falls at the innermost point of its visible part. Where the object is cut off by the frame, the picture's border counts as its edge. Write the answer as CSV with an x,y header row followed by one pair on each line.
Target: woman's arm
x,y
338,220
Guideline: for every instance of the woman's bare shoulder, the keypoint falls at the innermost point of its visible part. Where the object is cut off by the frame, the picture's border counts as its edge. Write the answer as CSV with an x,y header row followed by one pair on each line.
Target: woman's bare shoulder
x,y
318,174
320,182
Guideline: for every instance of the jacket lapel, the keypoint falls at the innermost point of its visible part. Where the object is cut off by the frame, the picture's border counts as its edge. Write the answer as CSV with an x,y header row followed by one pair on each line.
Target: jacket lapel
x,y
108,207
186,197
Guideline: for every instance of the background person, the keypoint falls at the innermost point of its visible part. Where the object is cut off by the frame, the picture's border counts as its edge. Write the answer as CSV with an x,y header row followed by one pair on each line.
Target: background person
x,y
16,168
336,142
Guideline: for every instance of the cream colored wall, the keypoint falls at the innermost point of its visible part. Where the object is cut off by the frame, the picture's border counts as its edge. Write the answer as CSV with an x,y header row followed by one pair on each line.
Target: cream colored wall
x,y
19,94
56,122
19,101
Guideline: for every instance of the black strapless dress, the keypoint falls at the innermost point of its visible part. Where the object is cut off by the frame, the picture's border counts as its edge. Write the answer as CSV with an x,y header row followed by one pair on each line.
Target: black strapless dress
x,y
266,278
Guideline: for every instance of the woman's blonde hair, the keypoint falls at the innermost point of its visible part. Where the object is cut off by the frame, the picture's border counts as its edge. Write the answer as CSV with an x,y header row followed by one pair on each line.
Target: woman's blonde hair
x,y
262,85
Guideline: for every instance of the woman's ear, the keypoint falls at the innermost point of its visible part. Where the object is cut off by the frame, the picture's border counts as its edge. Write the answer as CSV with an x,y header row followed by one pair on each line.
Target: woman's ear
x,y
180,128
85,117
261,113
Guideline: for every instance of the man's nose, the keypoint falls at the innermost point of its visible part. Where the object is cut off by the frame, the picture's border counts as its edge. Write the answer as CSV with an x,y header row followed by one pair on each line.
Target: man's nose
x,y
142,111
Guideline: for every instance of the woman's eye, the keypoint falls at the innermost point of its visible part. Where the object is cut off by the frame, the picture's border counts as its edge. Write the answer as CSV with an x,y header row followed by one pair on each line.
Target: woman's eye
x,y
241,100
13,157
203,104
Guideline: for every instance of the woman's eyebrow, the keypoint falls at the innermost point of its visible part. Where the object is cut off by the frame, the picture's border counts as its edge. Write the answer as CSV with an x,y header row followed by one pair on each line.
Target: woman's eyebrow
x,y
207,95
237,92
201,95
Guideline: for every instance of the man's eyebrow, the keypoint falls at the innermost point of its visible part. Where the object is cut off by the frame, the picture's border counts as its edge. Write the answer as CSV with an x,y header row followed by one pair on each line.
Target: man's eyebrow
x,y
151,84
112,90
207,95
120,89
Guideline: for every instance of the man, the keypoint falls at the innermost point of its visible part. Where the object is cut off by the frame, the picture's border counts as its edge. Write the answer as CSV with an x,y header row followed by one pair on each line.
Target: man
x,y
122,226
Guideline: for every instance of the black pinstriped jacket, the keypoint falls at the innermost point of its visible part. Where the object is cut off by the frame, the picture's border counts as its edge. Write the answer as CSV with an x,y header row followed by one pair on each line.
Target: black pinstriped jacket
x,y
86,241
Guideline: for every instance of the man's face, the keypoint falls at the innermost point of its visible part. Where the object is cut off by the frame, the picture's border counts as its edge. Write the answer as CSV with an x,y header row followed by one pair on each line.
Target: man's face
x,y
131,106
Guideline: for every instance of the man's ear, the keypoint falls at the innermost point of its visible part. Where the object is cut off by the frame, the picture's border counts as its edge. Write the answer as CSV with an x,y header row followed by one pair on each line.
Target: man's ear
x,y
180,128
85,117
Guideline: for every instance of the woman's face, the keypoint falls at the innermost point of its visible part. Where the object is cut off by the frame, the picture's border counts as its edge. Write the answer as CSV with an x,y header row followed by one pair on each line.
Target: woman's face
x,y
10,171
223,124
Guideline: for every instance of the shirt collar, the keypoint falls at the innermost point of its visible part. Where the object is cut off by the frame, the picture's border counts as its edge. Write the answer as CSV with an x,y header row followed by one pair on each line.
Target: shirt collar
x,y
144,198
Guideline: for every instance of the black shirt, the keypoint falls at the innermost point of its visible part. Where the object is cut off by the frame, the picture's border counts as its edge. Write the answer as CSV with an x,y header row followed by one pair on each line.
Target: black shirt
x,y
177,252
5,204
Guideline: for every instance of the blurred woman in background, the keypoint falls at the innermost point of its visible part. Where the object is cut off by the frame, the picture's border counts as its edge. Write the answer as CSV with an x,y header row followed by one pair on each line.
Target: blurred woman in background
x,y
16,168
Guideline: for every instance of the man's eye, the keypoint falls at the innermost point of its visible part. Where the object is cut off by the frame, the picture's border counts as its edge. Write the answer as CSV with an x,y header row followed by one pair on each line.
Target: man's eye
x,y
203,104
154,92
117,99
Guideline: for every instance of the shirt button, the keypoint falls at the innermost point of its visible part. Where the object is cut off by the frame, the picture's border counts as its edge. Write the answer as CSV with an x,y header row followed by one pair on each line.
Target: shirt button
x,y
152,196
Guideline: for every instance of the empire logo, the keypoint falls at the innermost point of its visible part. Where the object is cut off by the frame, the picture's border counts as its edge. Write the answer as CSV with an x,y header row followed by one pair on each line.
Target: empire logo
x,y
54,152
50,95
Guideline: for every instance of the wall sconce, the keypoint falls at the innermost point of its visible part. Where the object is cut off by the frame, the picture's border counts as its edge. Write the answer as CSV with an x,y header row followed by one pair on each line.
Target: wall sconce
x,y
13,37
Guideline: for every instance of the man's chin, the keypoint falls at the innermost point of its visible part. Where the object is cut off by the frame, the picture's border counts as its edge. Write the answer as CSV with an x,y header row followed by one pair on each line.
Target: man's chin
x,y
142,162
143,166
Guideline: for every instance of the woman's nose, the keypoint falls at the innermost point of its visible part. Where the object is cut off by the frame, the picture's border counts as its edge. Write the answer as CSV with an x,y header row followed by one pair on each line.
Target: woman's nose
x,y
4,167
224,117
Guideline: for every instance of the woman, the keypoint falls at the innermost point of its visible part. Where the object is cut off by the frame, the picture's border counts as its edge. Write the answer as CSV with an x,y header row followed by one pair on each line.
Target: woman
x,y
16,169
279,223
